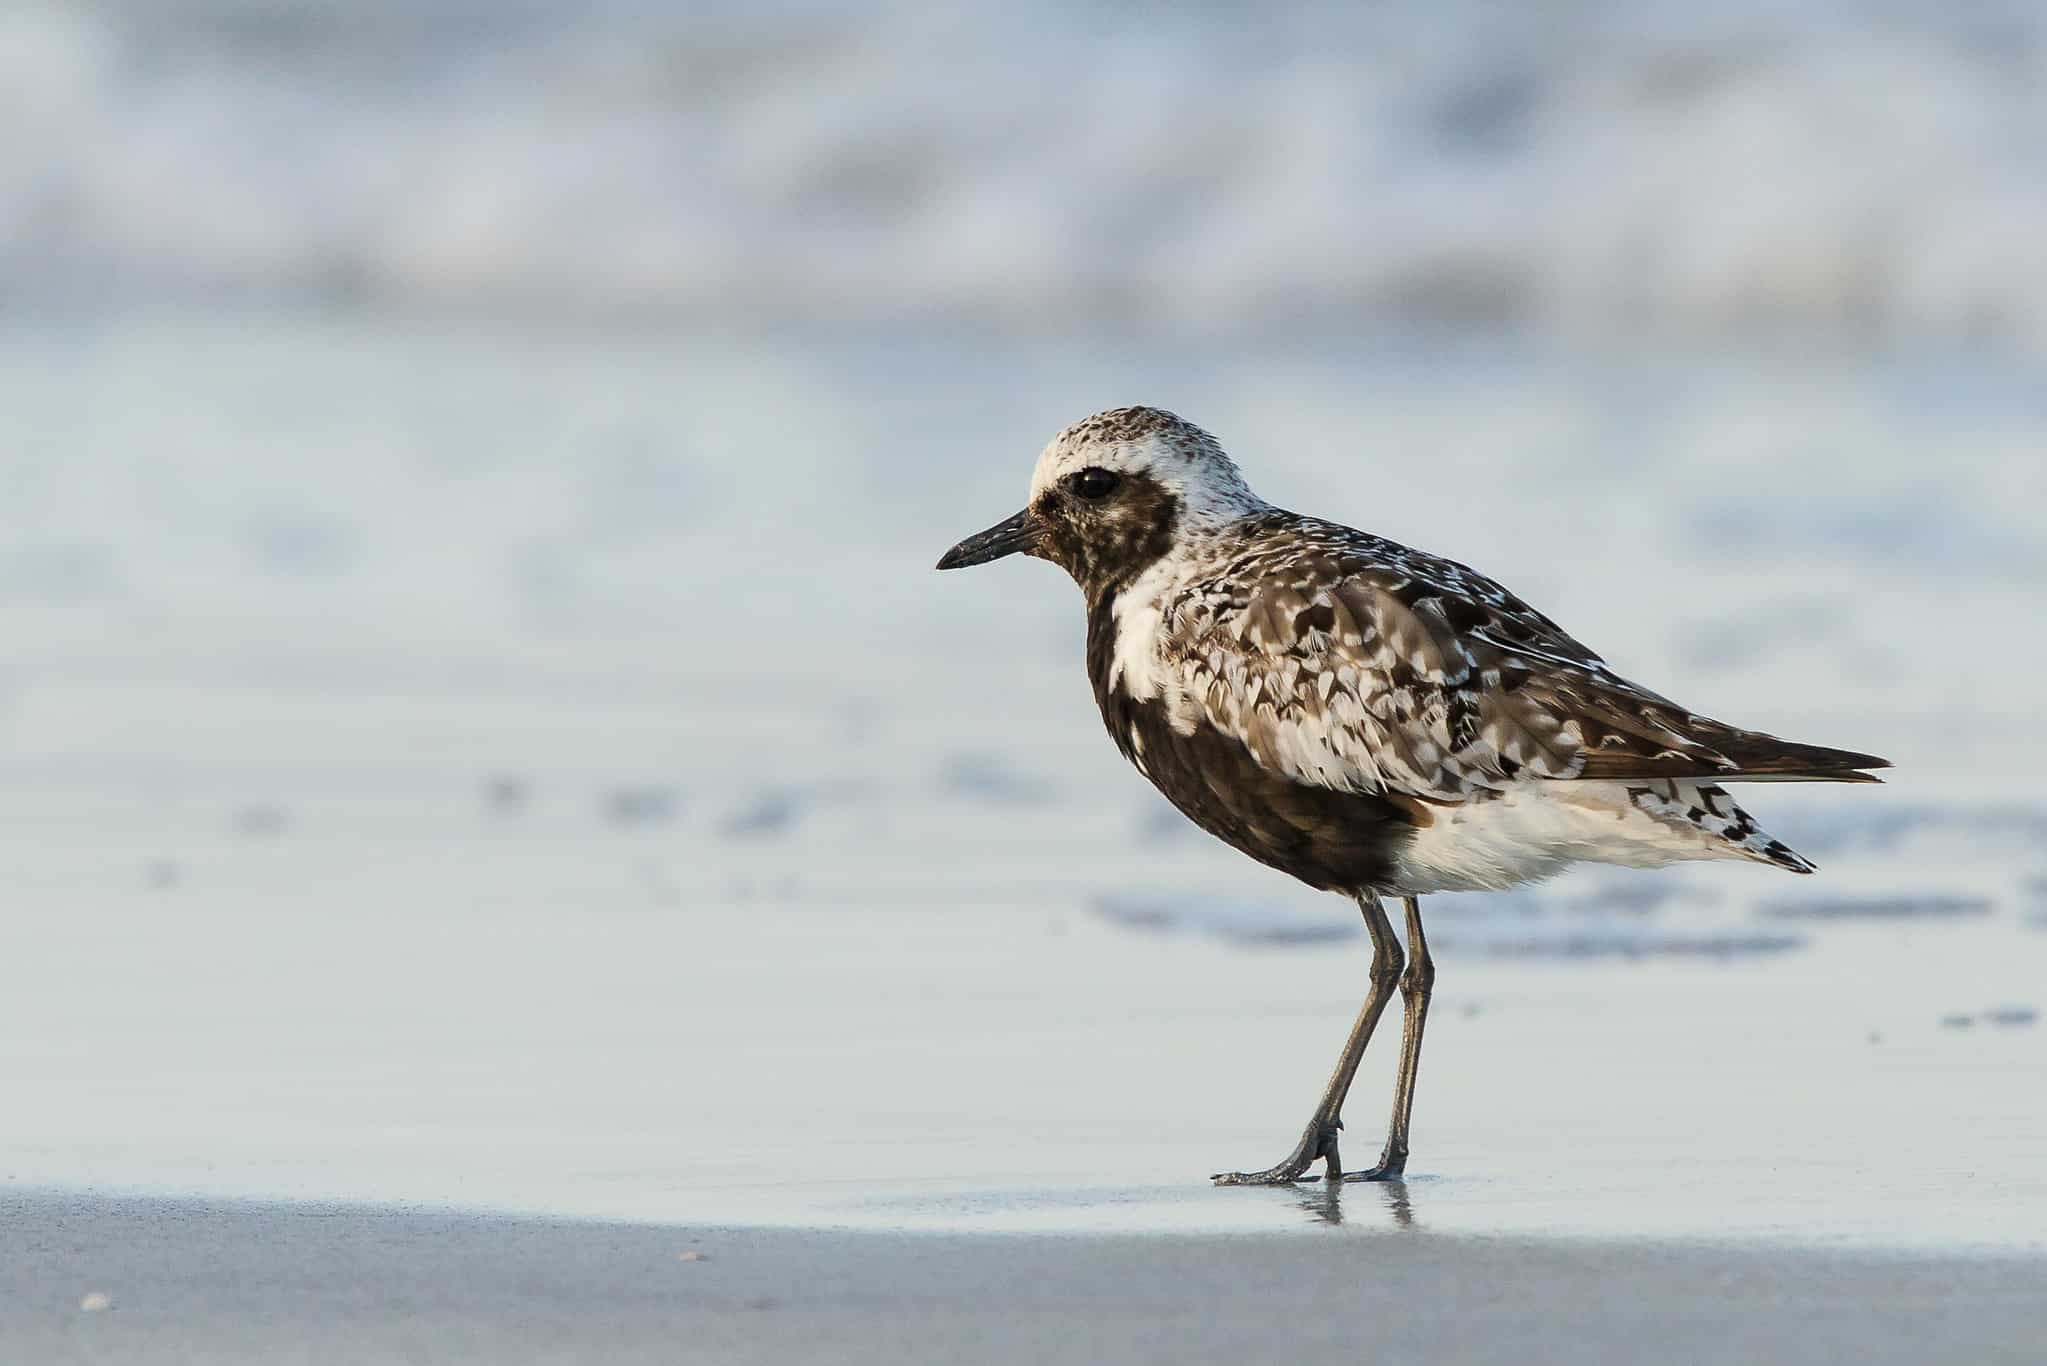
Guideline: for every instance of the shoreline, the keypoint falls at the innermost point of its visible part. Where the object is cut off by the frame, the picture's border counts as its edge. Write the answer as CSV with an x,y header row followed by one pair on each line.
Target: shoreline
x,y
119,1279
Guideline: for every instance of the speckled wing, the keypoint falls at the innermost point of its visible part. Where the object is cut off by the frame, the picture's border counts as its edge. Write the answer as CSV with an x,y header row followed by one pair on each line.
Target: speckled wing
x,y
1351,662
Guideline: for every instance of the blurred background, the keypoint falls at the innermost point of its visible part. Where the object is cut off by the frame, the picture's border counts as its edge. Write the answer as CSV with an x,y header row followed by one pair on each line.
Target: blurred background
x,y
1854,171
469,476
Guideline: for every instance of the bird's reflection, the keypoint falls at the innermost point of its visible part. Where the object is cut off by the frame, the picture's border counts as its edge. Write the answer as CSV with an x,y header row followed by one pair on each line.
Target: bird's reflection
x,y
1323,1202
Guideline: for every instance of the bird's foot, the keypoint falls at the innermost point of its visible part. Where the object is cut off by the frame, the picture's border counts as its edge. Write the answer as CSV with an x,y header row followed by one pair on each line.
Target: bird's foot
x,y
1285,1174
1392,1167
1316,1145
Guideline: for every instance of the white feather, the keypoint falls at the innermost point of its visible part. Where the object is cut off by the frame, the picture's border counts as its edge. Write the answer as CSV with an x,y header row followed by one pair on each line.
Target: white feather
x,y
1134,665
1537,830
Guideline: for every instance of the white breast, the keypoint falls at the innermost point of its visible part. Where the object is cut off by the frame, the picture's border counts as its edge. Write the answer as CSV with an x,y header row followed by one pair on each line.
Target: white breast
x,y
1139,610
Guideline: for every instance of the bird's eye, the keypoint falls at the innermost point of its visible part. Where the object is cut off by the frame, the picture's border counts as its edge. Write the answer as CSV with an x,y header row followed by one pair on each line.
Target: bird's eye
x,y
1093,483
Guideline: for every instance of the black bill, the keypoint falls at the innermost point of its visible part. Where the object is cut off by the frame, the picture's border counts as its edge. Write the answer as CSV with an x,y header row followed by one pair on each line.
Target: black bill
x,y
1004,538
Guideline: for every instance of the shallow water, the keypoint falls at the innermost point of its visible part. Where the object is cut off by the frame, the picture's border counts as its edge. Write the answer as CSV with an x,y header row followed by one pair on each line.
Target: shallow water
x,y
543,772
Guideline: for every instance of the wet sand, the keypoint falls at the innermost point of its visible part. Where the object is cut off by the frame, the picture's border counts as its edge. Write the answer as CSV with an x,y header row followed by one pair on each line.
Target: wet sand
x,y
226,1283
999,1071
385,836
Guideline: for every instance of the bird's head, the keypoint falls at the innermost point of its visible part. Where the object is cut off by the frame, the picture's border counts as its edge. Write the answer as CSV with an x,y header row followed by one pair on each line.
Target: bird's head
x,y
1112,493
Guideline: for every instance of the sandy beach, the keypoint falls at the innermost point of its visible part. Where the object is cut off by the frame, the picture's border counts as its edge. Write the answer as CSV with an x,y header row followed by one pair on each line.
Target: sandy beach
x,y
230,1283
1763,1166
365,864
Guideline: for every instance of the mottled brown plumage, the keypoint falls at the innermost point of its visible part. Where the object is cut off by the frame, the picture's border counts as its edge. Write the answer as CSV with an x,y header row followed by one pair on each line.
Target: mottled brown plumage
x,y
1346,659
1364,716
1333,840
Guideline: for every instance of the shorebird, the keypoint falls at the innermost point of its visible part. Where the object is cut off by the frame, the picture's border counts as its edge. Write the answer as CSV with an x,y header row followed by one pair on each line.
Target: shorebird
x,y
1371,719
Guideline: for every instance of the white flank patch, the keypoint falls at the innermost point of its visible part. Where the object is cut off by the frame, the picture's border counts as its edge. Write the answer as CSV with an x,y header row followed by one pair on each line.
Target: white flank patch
x,y
1536,831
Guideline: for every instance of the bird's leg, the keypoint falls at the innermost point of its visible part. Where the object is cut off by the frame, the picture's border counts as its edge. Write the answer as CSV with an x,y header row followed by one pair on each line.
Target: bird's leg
x,y
1415,985
1318,1142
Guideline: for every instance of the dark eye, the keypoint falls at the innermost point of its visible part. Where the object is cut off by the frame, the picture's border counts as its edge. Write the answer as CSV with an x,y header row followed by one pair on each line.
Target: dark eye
x,y
1093,483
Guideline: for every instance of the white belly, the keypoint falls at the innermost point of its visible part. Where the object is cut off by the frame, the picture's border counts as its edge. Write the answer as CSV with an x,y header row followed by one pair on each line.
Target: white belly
x,y
1536,831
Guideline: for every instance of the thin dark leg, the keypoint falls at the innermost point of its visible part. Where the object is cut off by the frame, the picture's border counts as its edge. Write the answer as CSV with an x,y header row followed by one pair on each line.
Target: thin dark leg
x,y
1319,1141
1415,985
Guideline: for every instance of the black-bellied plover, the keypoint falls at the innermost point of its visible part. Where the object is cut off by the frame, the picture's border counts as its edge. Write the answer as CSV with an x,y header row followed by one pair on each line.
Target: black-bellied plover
x,y
1372,719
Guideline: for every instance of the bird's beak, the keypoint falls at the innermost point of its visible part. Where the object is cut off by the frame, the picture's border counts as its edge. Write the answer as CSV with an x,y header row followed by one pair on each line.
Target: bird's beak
x,y
1018,533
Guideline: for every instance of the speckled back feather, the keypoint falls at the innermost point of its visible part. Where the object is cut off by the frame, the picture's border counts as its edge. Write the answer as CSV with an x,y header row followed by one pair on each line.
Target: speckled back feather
x,y
1345,659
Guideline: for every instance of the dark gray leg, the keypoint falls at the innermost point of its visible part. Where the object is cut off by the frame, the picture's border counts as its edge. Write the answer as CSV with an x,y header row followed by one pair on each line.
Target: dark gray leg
x,y
1318,1143
1415,986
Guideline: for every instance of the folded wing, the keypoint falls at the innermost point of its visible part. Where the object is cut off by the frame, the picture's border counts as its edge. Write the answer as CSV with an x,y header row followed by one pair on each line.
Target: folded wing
x,y
1369,667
